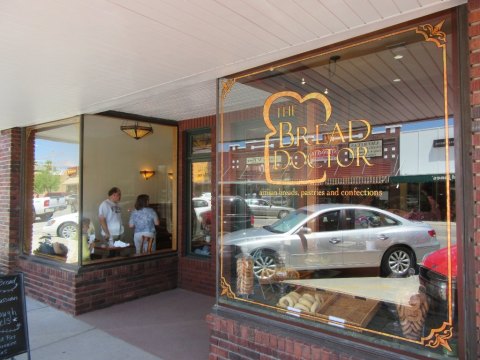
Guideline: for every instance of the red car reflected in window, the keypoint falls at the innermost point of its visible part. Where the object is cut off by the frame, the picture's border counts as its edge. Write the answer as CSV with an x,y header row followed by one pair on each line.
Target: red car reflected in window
x,y
434,275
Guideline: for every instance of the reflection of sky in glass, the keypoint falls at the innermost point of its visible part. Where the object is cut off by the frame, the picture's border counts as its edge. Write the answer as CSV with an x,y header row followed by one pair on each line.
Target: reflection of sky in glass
x,y
62,155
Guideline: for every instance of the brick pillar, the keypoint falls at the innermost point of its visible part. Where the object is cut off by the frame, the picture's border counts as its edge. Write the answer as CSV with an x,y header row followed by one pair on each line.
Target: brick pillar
x,y
474,47
10,199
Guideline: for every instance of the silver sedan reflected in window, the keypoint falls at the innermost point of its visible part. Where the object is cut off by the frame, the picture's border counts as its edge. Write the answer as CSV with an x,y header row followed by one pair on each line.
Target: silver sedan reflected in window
x,y
264,208
336,236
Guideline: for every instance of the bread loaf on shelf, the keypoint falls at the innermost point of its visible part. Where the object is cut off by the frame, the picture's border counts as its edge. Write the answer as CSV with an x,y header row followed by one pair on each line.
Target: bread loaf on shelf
x,y
307,302
245,275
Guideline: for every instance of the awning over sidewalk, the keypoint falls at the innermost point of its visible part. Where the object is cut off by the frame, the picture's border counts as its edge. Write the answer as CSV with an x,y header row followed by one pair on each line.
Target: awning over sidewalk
x,y
421,178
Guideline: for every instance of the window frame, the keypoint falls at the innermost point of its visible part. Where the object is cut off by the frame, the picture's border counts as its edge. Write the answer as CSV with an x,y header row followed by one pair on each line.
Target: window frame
x,y
28,156
189,208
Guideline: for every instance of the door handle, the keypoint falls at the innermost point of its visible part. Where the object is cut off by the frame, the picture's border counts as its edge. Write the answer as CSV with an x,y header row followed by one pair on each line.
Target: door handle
x,y
334,241
382,237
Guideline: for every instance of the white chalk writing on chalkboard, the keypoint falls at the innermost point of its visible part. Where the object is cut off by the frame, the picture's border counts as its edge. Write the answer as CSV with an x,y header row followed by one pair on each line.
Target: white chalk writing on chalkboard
x,y
9,321
8,299
10,282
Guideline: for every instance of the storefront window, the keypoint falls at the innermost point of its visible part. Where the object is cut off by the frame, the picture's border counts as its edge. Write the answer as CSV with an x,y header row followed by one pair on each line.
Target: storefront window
x,y
199,173
113,159
66,193
345,159
52,191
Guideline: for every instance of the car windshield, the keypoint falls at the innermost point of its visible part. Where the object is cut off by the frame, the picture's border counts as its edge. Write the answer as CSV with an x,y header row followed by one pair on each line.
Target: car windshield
x,y
288,222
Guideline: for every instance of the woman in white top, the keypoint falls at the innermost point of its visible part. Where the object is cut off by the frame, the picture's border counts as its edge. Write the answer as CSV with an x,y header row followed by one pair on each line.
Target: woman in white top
x,y
143,219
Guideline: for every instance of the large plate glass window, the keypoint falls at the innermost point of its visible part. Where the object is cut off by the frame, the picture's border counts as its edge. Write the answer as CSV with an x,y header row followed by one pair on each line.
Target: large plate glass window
x,y
52,190
63,194
144,170
344,160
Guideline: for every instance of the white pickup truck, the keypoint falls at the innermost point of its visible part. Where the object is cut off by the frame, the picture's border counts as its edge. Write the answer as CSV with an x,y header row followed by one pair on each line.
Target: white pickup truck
x,y
45,206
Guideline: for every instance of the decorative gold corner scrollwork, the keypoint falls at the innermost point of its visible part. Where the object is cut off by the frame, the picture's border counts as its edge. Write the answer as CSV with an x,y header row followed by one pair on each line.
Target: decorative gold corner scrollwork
x,y
226,87
433,33
439,337
226,289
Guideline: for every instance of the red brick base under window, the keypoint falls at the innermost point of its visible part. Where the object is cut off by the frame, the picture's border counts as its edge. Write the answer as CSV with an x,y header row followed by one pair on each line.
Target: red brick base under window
x,y
94,287
244,339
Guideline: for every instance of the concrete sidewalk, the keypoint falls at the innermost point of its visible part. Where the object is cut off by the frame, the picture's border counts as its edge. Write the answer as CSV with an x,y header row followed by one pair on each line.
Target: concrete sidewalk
x,y
170,325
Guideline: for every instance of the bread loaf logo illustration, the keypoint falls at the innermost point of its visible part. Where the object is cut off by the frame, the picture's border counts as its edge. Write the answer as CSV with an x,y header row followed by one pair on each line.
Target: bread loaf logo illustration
x,y
300,134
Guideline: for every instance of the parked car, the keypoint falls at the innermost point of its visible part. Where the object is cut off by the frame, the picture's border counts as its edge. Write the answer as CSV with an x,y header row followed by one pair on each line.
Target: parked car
x,y
65,226
207,195
236,214
277,200
41,208
325,236
262,207
58,200
433,275
200,205
45,206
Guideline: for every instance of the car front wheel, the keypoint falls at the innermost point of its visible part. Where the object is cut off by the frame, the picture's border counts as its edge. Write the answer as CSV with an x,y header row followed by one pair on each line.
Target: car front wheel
x,y
265,264
282,214
397,261
68,230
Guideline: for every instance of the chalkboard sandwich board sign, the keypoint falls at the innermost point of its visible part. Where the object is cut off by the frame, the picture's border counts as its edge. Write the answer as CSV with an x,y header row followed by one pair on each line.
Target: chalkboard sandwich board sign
x,y
13,317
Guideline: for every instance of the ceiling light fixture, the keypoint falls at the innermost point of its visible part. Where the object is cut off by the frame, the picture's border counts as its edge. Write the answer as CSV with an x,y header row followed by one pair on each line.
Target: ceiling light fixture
x,y
147,174
332,69
398,57
136,131
332,65
397,80
303,81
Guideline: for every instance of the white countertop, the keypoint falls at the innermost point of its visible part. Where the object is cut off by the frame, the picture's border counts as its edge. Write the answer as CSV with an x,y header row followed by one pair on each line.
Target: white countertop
x,y
393,290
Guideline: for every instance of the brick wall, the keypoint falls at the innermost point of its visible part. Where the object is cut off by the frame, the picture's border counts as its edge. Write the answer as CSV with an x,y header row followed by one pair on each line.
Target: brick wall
x,y
195,273
10,156
245,339
96,287
474,47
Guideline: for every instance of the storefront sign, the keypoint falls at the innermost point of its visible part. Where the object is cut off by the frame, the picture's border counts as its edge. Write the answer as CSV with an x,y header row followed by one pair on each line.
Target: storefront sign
x,y
421,178
259,160
297,141
72,171
322,154
374,147
441,142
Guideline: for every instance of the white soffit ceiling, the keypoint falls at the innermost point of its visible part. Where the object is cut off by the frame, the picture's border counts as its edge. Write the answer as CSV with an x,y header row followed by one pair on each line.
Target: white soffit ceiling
x,y
160,58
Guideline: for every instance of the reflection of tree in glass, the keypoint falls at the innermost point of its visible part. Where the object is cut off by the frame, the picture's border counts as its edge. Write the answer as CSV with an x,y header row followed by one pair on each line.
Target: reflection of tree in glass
x,y
46,180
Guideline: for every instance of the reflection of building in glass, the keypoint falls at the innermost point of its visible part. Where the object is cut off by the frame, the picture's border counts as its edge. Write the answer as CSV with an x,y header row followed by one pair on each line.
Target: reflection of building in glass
x,y
420,185
410,184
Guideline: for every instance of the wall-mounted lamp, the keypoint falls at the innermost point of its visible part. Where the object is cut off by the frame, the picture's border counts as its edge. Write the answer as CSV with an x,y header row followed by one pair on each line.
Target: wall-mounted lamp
x,y
147,174
170,174
136,131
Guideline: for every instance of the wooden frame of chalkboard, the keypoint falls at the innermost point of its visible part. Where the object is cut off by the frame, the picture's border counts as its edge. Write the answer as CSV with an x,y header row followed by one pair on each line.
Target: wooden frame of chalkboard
x,y
13,317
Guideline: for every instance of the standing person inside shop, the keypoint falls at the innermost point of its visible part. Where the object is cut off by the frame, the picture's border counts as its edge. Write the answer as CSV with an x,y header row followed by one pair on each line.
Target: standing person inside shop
x,y
110,216
143,219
